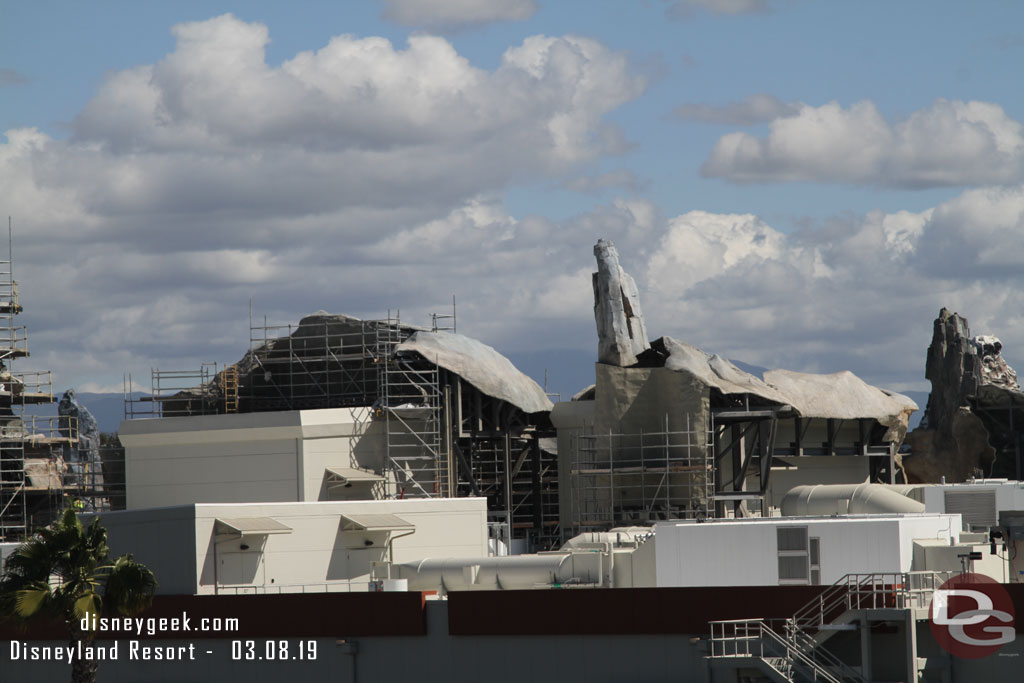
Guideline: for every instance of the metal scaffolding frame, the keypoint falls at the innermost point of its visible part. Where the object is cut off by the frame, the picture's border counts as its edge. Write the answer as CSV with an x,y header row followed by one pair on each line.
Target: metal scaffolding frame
x,y
32,466
326,367
639,478
172,393
409,400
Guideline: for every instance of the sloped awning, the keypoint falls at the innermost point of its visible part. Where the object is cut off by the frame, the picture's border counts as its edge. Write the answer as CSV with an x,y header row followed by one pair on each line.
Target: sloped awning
x,y
251,526
345,476
375,522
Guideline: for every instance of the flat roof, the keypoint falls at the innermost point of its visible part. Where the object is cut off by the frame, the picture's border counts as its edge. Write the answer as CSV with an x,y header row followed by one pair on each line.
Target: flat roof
x,y
811,518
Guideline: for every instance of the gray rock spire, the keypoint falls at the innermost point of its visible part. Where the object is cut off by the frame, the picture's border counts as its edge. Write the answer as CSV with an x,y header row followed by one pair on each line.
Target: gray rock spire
x,y
621,332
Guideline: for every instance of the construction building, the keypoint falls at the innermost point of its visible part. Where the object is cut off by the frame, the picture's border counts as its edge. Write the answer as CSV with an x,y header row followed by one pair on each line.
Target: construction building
x,y
342,492
671,432
368,409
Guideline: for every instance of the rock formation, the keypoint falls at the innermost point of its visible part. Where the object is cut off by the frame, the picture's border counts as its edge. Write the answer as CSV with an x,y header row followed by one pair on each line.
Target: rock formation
x,y
968,427
621,333
85,454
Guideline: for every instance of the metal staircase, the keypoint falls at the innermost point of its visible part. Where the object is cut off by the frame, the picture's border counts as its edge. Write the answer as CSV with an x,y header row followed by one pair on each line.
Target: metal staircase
x,y
792,649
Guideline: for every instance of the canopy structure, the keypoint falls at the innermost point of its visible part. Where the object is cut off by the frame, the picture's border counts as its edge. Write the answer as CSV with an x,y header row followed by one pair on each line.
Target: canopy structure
x,y
375,522
346,476
251,526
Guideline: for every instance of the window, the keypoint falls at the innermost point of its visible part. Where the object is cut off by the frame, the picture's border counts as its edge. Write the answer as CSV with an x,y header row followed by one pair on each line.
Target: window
x,y
814,558
793,545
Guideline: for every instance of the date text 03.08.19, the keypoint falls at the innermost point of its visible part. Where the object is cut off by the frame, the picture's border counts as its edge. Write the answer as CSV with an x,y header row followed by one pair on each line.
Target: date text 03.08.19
x,y
272,650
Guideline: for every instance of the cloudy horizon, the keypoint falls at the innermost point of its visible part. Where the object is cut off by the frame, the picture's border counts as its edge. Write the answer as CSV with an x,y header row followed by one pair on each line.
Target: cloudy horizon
x,y
785,211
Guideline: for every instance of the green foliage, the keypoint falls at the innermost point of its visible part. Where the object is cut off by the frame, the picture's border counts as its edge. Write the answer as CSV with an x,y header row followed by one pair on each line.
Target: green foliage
x,y
64,572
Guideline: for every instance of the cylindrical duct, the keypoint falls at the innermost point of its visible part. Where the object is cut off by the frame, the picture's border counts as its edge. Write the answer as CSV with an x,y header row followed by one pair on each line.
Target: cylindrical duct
x,y
853,499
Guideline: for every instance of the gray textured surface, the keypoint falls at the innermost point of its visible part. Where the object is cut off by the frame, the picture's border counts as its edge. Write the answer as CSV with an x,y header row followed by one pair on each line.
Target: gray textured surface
x,y
841,395
481,366
621,331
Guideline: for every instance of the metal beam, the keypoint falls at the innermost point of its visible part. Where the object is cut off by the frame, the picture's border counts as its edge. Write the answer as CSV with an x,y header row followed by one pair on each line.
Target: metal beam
x,y
464,468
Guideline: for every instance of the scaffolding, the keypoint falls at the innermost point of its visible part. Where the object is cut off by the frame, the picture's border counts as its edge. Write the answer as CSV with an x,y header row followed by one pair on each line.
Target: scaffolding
x,y
172,393
317,364
32,468
409,401
640,478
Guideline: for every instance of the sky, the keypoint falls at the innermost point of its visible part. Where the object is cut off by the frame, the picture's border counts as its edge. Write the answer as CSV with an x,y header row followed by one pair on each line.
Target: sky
x,y
792,184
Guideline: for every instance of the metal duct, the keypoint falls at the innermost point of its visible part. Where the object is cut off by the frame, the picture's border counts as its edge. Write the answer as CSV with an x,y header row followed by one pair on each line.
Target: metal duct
x,y
492,573
853,499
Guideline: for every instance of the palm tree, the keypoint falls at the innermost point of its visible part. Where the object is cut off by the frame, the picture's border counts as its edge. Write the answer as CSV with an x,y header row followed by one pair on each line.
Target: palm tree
x,y
65,572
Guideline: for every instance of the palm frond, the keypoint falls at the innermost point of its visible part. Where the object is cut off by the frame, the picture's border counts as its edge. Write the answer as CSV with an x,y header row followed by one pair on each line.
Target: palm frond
x,y
30,601
130,586
88,603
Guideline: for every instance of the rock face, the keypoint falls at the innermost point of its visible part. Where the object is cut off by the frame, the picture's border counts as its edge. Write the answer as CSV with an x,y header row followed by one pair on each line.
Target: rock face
x,y
958,436
85,455
621,332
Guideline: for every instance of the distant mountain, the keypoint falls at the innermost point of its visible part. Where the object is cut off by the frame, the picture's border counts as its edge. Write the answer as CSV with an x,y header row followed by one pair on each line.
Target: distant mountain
x,y
108,409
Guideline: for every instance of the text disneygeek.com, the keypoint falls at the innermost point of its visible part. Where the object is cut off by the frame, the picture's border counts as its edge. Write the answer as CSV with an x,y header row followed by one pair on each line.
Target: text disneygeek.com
x,y
109,642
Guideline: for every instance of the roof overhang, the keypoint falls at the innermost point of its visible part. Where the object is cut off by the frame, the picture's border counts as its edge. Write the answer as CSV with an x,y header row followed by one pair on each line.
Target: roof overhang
x,y
347,476
250,526
375,522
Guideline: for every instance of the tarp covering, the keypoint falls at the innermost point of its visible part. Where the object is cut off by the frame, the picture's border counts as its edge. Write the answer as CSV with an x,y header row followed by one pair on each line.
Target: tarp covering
x,y
481,366
841,395
717,372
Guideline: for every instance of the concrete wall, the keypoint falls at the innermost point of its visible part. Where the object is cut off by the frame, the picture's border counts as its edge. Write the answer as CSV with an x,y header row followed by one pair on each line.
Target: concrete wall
x,y
180,545
251,457
570,419
745,553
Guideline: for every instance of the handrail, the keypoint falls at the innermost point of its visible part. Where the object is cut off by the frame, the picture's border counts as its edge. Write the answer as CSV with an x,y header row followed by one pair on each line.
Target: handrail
x,y
754,638
881,590
900,590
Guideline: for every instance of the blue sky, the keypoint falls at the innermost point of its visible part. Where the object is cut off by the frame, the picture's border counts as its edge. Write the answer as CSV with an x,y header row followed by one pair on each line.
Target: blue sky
x,y
793,183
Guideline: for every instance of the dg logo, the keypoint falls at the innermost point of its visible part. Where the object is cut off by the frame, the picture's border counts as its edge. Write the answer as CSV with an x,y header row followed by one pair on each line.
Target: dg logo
x,y
972,616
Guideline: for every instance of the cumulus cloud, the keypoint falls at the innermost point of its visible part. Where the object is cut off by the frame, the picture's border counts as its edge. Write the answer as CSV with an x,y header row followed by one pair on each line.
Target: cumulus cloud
x,y
358,126
753,109
946,144
191,185
854,293
686,9
456,13
11,77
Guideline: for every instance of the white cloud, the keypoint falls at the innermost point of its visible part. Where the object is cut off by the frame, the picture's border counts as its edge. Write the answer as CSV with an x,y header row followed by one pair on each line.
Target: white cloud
x,y
856,294
213,134
946,144
353,178
753,109
456,13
